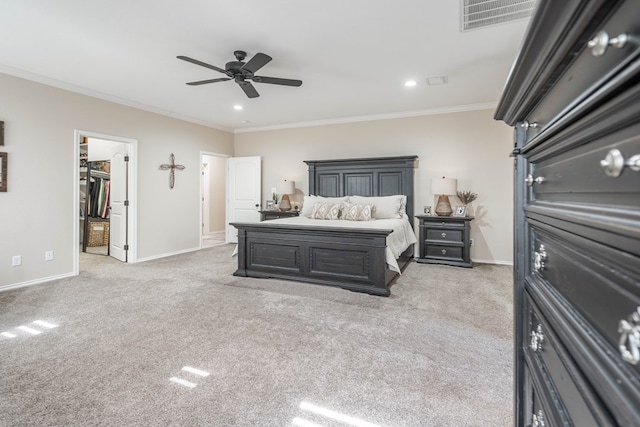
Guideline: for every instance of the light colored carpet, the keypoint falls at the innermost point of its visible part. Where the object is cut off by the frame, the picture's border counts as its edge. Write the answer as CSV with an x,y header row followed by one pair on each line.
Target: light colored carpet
x,y
438,352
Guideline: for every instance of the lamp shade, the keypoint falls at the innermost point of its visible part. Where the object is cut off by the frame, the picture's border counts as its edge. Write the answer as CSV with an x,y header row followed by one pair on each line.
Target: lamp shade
x,y
286,187
444,186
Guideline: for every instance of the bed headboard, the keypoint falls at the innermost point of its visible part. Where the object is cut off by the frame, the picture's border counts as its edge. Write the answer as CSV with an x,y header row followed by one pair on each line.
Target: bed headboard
x,y
382,176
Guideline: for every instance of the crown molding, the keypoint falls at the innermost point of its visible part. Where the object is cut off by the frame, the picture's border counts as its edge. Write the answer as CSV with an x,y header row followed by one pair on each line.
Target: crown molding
x,y
373,117
27,75
341,120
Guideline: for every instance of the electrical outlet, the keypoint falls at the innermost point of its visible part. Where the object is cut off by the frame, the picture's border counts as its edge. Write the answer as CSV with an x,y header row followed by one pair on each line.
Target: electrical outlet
x,y
16,260
48,256
470,242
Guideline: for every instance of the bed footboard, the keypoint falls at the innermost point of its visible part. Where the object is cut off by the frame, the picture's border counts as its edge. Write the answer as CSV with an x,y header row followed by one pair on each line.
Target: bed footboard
x,y
334,256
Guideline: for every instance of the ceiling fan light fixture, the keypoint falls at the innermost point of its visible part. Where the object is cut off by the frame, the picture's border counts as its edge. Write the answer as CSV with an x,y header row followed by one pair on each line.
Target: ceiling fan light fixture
x,y
238,107
410,83
242,73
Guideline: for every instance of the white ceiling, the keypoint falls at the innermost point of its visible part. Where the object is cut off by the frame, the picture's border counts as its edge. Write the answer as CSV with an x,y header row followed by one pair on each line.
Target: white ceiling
x,y
353,56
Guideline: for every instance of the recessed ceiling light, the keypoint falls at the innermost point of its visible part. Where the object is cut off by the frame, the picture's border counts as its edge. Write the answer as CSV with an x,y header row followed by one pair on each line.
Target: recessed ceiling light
x,y
437,80
410,83
237,107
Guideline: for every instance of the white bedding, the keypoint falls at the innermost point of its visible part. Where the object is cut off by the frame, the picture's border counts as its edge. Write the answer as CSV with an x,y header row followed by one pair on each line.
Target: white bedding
x,y
397,242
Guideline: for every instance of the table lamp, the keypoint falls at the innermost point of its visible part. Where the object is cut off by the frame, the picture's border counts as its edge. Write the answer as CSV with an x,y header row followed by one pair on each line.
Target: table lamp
x,y
285,188
443,187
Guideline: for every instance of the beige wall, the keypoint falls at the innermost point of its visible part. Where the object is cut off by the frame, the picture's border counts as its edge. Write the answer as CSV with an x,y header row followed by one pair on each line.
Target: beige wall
x,y
36,214
469,146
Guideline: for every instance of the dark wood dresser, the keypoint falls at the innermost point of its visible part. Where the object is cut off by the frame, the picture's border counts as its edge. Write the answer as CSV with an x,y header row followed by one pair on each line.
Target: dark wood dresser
x,y
573,98
445,240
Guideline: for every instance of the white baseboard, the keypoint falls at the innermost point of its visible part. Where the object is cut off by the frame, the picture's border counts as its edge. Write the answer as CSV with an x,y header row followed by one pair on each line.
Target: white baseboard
x,y
35,281
492,261
150,258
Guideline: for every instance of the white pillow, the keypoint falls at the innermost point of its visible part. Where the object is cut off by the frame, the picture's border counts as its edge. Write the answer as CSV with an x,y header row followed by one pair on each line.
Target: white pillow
x,y
309,201
385,206
353,212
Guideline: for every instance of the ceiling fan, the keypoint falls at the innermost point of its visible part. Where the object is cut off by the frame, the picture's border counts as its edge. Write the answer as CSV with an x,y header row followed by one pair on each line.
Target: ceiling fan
x,y
242,72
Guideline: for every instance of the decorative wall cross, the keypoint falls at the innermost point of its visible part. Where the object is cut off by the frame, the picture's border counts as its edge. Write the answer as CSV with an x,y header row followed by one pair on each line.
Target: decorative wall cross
x,y
172,167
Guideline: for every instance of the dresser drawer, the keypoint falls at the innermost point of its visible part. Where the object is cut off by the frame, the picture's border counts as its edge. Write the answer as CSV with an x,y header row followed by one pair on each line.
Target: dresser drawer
x,y
546,354
542,410
595,161
446,235
579,176
603,284
594,63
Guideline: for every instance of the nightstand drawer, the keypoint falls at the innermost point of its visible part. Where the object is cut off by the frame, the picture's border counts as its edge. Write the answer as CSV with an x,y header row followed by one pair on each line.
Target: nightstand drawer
x,y
453,253
444,235
269,215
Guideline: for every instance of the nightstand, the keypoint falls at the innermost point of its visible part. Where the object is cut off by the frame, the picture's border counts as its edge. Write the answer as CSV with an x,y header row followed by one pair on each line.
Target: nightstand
x,y
267,215
445,240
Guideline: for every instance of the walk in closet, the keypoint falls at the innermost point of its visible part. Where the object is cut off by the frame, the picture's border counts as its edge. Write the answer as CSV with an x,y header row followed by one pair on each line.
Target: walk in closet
x,y
95,182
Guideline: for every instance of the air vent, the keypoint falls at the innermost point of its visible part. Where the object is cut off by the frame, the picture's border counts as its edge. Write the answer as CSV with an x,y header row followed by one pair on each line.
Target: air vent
x,y
482,13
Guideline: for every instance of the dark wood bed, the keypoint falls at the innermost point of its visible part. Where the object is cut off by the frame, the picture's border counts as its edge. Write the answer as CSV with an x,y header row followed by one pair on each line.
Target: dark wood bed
x,y
352,259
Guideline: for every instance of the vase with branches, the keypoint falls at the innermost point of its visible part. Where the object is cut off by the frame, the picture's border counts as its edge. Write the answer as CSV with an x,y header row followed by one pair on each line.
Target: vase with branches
x,y
467,197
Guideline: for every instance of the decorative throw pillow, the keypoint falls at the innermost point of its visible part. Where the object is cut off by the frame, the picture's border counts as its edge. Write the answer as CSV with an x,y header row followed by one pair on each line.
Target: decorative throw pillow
x,y
324,210
310,201
352,212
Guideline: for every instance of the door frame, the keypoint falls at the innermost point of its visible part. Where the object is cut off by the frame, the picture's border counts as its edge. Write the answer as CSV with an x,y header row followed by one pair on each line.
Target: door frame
x,y
132,223
226,204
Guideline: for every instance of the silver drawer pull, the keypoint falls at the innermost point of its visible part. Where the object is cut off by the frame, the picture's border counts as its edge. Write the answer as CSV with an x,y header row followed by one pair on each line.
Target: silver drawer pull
x,y
602,41
526,125
537,420
539,258
444,251
614,163
444,235
537,338
530,180
629,331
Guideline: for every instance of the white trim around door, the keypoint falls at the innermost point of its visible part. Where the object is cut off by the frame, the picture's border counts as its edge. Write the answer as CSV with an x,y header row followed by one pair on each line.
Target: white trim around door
x,y
132,225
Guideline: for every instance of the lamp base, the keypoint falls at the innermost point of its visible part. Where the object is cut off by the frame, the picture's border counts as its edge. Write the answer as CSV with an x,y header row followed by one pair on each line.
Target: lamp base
x,y
443,208
285,204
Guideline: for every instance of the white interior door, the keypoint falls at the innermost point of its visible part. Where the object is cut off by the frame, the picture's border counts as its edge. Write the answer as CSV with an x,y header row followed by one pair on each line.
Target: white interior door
x,y
244,192
118,196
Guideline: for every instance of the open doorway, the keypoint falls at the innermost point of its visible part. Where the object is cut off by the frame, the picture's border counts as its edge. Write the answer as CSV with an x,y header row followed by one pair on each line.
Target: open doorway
x,y
213,201
104,199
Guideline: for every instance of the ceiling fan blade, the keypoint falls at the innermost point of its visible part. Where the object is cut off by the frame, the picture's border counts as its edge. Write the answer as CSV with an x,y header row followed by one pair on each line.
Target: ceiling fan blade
x,y
277,81
258,61
249,89
202,64
204,82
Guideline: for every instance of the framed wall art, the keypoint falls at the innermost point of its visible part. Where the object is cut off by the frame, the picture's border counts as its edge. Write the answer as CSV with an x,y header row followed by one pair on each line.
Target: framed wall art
x,y
1,133
3,171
